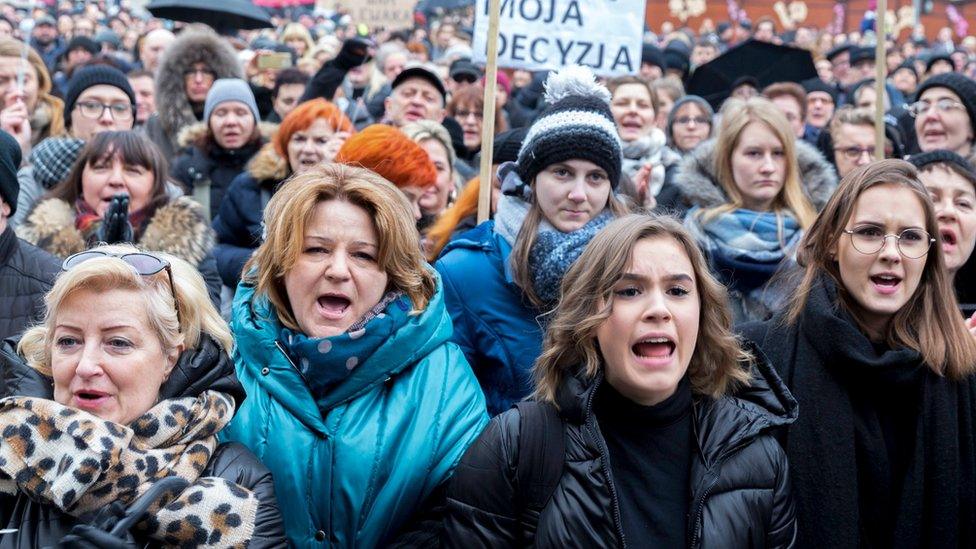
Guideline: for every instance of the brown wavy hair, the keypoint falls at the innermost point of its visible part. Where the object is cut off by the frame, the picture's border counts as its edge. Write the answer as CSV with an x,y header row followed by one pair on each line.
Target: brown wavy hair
x,y
290,210
929,323
719,363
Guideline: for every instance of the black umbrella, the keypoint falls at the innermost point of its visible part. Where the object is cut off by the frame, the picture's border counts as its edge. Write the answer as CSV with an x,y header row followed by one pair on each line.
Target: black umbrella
x,y
767,63
222,15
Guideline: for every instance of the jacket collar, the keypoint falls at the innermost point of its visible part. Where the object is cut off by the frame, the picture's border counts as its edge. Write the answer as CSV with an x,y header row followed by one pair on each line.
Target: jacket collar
x,y
8,243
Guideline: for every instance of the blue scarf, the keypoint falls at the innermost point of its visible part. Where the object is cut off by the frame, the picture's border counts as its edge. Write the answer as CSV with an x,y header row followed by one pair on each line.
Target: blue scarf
x,y
746,247
554,252
326,361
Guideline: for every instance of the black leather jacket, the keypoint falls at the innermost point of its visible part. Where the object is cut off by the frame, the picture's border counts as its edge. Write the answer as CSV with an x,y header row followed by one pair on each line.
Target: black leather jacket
x,y
26,274
740,487
38,525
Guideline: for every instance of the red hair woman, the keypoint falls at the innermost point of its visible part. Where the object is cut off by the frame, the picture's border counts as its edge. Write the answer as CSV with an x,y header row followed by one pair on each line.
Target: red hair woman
x,y
310,135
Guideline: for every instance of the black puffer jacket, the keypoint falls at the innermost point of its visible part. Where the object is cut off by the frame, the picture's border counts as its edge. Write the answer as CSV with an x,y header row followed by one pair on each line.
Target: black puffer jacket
x,y
38,525
26,274
740,488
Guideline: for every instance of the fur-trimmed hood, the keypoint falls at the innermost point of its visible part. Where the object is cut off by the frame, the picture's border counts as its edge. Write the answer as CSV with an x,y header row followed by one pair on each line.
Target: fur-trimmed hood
x,y
269,165
696,179
194,45
192,133
178,228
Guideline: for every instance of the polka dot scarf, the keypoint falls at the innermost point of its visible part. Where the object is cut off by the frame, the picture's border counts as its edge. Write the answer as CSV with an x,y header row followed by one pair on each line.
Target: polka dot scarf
x,y
326,361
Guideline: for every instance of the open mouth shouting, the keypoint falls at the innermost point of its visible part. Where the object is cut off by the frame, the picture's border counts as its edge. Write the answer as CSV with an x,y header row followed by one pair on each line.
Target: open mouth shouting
x,y
886,283
333,306
89,399
949,239
654,351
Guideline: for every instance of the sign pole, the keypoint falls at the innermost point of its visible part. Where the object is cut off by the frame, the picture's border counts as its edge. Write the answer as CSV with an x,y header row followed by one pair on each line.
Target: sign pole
x,y
488,115
880,73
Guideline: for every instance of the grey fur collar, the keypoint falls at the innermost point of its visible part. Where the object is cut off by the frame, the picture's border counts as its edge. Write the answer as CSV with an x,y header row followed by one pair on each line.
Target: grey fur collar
x,y
697,182
194,45
178,228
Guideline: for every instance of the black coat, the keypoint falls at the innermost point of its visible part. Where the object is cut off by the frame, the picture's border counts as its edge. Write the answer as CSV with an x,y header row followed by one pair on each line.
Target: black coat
x,y
38,525
197,168
740,488
26,274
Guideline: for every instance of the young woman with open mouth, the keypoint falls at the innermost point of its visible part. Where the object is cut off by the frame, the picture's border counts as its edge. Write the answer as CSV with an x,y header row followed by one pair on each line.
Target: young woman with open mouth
x,y
636,381
872,348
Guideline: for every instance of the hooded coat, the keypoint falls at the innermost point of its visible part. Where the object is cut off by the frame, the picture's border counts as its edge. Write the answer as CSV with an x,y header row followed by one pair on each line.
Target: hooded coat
x,y
739,482
177,227
40,525
213,168
353,467
238,223
173,108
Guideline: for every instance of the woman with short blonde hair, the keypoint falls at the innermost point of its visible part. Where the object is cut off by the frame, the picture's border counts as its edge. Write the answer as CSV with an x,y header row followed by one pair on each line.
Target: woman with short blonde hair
x,y
343,347
635,392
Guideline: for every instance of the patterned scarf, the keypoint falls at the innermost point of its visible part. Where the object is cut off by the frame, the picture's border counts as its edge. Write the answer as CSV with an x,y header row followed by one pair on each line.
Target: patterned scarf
x,y
86,220
79,464
326,361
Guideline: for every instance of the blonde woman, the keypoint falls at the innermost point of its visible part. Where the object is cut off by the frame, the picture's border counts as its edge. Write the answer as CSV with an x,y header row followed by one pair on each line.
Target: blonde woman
x,y
753,191
127,381
634,389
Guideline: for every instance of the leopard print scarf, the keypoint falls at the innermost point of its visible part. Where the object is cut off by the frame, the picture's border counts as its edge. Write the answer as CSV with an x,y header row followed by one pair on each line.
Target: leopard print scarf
x,y
79,463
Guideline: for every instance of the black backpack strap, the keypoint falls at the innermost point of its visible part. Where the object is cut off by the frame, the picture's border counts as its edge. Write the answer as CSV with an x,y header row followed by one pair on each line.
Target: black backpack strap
x,y
542,453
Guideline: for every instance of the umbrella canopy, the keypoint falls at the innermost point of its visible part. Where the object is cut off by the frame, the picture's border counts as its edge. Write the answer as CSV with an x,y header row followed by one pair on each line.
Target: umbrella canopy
x,y
767,63
222,15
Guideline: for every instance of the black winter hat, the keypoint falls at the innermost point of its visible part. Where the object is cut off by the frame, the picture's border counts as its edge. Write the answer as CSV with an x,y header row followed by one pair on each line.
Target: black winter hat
x,y
958,84
507,145
93,75
10,157
942,156
652,55
82,42
817,85
907,65
837,50
577,124
938,57
861,54
678,57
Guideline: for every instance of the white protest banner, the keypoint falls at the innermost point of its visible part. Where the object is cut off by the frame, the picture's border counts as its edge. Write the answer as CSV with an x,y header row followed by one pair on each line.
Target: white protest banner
x,y
547,34
389,14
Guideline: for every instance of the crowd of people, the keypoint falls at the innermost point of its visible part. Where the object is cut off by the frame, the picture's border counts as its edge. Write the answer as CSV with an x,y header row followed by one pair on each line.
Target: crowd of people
x,y
248,301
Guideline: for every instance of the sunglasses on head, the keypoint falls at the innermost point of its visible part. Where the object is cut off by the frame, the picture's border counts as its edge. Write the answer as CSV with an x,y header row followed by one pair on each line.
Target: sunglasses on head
x,y
143,263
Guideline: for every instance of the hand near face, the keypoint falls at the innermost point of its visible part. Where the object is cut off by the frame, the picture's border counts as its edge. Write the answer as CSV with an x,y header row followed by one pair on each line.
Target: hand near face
x,y
642,180
335,143
15,119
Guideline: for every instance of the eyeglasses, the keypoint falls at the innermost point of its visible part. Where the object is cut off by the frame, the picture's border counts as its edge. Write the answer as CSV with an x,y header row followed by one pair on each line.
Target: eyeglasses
x,y
853,153
869,239
686,120
206,73
461,115
94,109
944,105
144,264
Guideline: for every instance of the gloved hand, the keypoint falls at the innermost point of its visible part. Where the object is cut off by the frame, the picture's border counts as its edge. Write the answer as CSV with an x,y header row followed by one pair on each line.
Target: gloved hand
x,y
115,225
355,52
98,534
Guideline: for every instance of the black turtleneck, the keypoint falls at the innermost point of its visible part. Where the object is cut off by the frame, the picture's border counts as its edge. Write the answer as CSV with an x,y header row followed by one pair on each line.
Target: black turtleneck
x,y
650,458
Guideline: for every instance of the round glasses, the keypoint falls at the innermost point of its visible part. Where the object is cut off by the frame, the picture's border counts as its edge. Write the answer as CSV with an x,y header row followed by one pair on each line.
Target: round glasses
x,y
94,109
869,239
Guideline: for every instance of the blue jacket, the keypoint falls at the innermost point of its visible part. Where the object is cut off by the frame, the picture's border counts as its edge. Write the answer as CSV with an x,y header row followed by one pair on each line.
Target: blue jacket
x,y
493,323
352,473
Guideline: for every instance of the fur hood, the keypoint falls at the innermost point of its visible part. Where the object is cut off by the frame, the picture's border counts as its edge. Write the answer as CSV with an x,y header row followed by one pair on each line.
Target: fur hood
x,y
194,45
268,165
190,134
178,228
697,182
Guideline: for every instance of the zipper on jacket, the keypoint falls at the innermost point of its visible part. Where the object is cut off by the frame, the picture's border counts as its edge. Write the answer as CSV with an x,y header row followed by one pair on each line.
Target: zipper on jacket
x,y
605,458
712,472
290,361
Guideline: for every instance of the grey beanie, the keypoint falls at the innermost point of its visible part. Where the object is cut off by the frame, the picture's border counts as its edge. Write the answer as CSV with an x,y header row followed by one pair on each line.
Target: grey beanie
x,y
698,100
230,89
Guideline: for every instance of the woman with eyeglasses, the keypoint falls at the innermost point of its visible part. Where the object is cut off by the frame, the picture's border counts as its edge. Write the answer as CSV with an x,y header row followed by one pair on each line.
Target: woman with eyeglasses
x,y
871,346
117,192
689,123
217,149
126,382
467,107
945,115
754,189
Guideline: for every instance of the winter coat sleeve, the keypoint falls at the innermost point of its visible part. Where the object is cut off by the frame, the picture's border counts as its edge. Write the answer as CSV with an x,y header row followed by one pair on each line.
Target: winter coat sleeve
x,y
463,334
181,170
234,462
781,530
239,211
480,511
30,193
208,269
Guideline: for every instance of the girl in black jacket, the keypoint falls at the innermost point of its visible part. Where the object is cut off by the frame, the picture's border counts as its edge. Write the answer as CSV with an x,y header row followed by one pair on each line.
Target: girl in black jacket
x,y
881,364
640,364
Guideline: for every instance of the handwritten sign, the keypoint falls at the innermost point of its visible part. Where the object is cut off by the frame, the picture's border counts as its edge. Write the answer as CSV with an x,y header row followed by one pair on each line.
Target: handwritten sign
x,y
389,14
547,34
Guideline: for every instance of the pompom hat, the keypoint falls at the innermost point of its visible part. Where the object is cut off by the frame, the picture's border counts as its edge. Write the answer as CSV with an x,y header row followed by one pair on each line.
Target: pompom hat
x,y
577,124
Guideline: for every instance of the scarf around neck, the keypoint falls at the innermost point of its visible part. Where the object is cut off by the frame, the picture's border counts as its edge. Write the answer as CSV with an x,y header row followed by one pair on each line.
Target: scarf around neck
x,y
325,361
79,463
848,492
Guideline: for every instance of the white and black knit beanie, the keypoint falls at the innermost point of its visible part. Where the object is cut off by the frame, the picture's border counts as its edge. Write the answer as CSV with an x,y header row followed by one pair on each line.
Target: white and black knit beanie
x,y
577,124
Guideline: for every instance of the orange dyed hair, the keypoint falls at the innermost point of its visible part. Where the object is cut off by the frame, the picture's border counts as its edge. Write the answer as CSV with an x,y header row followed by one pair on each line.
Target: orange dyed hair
x,y
440,232
304,116
386,151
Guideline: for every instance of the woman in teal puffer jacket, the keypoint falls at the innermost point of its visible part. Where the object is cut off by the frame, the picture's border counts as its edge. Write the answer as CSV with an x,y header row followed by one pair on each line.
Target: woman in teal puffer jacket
x,y
357,401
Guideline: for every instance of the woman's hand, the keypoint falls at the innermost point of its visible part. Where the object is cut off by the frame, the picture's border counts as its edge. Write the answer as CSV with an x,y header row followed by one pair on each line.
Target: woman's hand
x,y
642,180
15,119
335,143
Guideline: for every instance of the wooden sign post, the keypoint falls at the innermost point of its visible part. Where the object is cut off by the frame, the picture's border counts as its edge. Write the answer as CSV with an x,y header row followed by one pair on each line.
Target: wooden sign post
x,y
880,73
485,175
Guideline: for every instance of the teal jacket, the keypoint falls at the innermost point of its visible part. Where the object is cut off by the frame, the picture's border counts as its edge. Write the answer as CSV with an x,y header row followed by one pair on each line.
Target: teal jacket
x,y
352,473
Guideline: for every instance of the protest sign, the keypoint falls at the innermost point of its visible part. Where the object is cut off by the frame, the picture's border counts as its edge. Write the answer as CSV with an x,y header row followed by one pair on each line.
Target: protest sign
x,y
547,34
389,14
